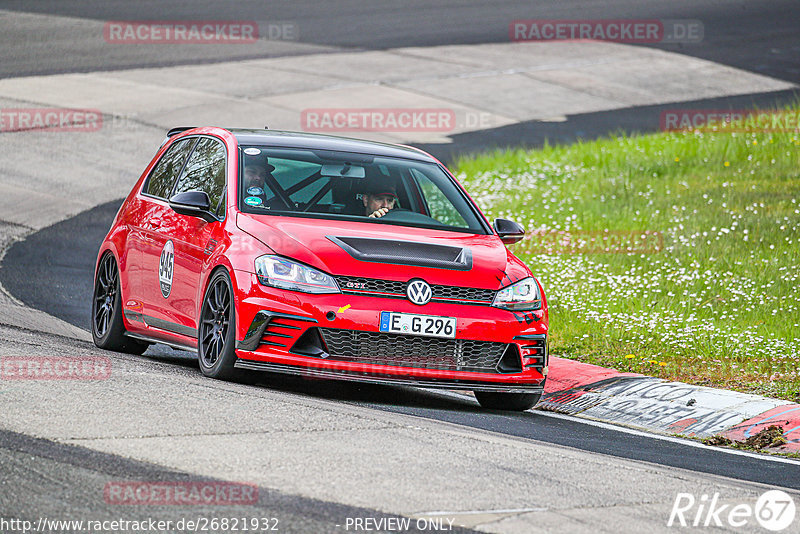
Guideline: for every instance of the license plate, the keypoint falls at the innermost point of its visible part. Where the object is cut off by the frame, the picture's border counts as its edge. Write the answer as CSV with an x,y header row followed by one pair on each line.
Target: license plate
x,y
418,325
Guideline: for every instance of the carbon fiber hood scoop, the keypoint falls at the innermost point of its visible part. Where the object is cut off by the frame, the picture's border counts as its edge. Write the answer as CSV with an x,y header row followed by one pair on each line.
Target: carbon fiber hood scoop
x,y
406,252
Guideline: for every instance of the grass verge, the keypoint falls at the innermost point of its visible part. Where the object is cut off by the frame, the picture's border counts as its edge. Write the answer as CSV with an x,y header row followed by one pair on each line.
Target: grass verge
x,y
675,254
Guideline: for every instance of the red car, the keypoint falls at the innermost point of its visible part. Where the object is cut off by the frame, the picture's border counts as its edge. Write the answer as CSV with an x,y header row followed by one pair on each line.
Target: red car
x,y
321,256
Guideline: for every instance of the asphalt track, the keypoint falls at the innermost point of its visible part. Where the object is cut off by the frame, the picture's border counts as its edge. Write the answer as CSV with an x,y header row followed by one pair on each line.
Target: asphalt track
x,y
756,36
751,34
52,269
83,470
63,257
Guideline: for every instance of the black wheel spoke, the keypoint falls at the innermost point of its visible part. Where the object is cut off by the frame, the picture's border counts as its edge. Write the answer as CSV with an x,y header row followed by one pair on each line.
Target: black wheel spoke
x,y
207,337
217,299
213,306
104,322
109,271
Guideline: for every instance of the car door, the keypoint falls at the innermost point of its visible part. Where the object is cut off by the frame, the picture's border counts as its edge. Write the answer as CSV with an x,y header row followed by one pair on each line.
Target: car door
x,y
145,240
188,242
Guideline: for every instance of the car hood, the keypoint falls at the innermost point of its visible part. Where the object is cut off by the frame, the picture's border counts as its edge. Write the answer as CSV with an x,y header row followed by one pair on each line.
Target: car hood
x,y
388,252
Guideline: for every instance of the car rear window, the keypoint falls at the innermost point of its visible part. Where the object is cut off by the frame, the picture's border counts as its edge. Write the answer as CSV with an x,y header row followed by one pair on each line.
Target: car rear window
x,y
342,185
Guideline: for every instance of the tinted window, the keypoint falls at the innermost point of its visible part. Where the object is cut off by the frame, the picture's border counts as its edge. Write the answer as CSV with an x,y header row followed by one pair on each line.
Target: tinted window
x,y
438,205
329,184
205,171
163,176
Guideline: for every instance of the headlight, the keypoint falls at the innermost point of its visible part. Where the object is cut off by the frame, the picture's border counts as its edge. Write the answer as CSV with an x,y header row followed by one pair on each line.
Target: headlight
x,y
287,274
521,296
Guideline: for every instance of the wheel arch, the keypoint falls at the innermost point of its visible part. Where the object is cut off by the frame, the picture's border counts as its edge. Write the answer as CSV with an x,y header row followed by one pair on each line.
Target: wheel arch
x,y
220,266
115,242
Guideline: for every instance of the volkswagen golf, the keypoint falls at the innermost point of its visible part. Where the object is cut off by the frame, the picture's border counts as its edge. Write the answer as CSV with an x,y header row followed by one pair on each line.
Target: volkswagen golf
x,y
321,256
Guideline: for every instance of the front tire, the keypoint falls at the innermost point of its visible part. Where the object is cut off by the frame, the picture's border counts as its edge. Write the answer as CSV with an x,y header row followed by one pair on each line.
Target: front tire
x,y
514,402
216,334
108,330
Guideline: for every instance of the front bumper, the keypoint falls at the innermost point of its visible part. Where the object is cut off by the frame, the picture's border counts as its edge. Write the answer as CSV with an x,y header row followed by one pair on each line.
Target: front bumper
x,y
337,337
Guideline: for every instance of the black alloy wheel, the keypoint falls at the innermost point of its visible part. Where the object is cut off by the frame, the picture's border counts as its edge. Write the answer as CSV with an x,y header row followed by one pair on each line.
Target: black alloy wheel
x,y
108,330
216,335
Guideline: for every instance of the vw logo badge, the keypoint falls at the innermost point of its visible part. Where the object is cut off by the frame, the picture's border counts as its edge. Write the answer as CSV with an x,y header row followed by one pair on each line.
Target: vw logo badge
x,y
419,292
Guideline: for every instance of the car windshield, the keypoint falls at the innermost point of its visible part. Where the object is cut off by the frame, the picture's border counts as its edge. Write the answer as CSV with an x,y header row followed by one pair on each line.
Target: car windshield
x,y
344,185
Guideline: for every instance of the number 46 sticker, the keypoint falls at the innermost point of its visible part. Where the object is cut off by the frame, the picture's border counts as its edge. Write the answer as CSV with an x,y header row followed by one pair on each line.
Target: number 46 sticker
x,y
165,268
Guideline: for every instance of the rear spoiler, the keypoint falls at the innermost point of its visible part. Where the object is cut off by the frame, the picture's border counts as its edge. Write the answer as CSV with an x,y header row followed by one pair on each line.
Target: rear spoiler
x,y
176,131
181,129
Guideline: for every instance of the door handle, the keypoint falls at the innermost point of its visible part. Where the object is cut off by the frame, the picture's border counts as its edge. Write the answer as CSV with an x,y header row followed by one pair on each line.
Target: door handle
x,y
155,223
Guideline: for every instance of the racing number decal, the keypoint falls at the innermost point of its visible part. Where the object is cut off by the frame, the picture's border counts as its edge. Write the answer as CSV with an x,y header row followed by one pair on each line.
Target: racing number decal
x,y
165,268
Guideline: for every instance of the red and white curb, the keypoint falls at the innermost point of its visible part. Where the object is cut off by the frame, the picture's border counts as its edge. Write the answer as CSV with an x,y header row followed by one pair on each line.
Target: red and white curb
x,y
661,406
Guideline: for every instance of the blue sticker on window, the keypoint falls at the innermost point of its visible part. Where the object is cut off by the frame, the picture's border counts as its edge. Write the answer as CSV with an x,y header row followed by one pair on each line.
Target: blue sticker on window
x,y
252,201
255,191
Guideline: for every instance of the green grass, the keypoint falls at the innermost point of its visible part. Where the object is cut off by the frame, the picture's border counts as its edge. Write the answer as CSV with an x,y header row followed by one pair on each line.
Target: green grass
x,y
718,305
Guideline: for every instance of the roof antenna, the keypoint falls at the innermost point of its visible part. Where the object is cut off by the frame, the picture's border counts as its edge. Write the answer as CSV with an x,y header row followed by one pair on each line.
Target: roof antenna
x,y
266,127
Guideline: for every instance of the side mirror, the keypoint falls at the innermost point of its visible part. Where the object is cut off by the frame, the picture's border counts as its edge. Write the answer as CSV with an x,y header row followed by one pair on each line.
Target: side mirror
x,y
510,232
194,204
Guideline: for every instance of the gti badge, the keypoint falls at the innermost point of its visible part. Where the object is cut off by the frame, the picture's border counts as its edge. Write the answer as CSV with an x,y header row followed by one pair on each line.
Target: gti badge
x,y
419,292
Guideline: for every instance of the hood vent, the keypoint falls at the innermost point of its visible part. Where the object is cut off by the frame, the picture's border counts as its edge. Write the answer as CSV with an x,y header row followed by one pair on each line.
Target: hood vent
x,y
406,252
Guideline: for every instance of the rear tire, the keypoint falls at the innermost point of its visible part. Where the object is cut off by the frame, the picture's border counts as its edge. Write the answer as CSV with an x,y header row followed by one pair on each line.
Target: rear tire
x,y
108,330
515,402
216,332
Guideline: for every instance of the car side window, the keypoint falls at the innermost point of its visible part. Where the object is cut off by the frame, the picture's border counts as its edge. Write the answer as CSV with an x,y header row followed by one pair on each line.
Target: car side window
x,y
166,171
205,171
439,206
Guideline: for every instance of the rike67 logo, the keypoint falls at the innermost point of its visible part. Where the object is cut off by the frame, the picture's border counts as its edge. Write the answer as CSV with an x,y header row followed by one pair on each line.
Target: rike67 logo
x,y
774,510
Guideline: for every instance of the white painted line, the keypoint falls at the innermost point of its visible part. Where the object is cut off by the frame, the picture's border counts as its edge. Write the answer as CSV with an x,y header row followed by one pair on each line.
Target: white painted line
x,y
478,512
626,430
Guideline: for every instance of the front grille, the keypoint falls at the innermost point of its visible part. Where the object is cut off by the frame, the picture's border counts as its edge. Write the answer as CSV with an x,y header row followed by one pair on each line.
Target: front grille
x,y
354,285
413,351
